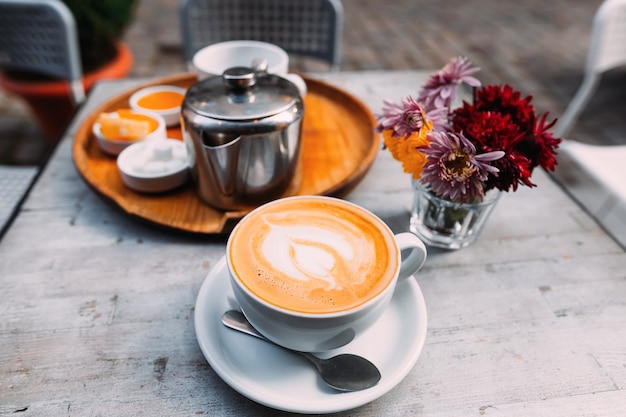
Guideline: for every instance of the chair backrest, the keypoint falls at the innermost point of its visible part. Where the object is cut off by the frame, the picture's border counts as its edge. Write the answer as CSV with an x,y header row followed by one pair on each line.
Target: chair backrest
x,y
40,36
608,38
312,28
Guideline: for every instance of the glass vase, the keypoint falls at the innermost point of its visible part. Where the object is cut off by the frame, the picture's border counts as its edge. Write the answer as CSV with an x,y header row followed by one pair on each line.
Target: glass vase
x,y
443,223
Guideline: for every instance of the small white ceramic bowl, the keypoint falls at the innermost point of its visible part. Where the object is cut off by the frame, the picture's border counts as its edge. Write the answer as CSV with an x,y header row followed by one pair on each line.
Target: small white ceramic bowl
x,y
115,146
140,100
154,165
214,59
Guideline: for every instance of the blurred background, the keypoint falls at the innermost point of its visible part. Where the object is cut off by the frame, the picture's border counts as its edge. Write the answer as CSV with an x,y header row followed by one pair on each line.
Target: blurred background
x,y
537,46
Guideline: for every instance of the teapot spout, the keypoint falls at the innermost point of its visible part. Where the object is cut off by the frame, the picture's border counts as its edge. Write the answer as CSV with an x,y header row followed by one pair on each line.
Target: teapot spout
x,y
219,140
248,170
222,164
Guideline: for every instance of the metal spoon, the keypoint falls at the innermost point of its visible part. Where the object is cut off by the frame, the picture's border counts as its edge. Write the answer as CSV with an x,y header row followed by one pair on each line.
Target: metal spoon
x,y
345,372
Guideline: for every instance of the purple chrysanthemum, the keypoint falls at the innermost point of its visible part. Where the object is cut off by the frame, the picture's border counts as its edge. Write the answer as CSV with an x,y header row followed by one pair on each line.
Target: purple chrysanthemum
x,y
453,169
440,88
408,118
439,117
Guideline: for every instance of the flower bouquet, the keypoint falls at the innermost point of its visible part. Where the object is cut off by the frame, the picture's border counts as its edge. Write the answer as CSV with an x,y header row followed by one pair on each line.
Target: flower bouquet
x,y
461,159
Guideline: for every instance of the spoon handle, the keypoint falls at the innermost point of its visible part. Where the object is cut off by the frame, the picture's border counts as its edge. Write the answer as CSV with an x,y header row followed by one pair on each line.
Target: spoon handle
x,y
343,372
236,320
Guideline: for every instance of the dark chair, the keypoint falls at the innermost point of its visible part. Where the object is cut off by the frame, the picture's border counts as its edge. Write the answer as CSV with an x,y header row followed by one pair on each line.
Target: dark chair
x,y
308,28
40,36
36,36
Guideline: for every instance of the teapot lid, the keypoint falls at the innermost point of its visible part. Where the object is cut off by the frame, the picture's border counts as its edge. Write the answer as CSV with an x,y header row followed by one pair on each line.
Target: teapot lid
x,y
241,94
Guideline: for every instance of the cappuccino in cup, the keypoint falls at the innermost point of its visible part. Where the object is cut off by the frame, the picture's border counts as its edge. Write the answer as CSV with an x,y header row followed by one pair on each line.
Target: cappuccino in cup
x,y
310,272
314,255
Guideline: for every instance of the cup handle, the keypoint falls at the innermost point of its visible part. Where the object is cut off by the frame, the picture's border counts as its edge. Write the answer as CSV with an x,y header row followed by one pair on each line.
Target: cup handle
x,y
413,260
298,81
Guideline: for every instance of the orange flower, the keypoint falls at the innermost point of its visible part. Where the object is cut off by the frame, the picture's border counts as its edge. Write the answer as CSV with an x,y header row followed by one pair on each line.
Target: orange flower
x,y
406,150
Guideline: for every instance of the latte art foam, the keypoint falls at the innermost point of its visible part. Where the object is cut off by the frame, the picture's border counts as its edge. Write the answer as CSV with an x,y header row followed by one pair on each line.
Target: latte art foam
x,y
311,256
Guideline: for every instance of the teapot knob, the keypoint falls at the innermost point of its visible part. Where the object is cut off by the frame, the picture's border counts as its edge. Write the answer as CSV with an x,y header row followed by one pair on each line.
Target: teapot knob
x,y
239,78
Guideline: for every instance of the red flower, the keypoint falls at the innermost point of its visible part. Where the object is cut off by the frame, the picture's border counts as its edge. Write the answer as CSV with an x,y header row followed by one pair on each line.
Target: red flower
x,y
546,144
505,100
500,120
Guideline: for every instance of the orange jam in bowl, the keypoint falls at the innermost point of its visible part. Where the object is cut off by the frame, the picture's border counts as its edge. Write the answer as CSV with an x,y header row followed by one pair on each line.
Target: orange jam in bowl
x,y
165,100
161,100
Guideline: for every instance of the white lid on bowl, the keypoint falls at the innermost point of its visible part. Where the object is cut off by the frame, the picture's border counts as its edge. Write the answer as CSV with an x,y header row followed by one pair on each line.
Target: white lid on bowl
x,y
154,165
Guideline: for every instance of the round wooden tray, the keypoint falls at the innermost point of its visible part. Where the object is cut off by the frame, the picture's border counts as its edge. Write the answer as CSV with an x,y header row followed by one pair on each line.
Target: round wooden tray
x,y
339,146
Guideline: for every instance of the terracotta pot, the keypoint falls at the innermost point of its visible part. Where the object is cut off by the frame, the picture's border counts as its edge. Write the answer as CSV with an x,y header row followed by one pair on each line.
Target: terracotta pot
x,y
50,101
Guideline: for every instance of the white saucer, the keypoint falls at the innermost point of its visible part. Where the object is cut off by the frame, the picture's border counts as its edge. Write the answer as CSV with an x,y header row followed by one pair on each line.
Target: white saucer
x,y
285,381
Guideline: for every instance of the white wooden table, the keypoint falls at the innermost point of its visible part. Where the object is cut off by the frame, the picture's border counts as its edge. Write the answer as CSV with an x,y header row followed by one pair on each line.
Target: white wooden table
x,y
96,309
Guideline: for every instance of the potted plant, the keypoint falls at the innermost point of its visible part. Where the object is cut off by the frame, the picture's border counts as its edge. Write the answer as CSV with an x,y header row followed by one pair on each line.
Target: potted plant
x,y
100,26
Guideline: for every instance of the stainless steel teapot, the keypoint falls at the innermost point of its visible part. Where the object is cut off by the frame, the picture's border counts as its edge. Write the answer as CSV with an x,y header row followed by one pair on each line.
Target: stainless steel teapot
x,y
243,134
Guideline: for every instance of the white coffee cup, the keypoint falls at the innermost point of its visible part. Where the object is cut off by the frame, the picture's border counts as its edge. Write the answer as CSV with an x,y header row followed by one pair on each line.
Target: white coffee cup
x,y
312,272
214,59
